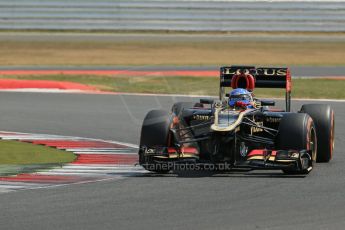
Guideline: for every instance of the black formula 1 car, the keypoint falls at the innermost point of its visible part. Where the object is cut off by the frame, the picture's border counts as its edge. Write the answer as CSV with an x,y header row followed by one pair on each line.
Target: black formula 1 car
x,y
211,133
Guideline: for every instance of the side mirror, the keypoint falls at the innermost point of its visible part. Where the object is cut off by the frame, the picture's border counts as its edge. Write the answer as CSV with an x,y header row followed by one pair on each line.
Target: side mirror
x,y
268,103
206,101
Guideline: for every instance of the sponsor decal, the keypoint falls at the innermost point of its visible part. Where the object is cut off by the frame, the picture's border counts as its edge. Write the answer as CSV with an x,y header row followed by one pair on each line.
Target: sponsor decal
x,y
272,72
259,71
243,149
273,119
257,129
201,117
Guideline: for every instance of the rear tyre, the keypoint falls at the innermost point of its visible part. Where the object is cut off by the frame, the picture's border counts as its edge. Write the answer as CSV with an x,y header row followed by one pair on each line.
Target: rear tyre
x,y
178,107
155,132
297,132
323,117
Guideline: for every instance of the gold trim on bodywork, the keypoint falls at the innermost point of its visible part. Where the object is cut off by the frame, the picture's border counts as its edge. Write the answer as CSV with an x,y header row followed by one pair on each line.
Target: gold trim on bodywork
x,y
215,126
271,158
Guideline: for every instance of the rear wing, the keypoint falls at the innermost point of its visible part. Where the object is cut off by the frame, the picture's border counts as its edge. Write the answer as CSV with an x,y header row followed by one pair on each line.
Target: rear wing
x,y
264,77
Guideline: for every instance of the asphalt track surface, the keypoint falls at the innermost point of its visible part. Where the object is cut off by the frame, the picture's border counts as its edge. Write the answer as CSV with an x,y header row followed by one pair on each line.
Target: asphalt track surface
x,y
236,200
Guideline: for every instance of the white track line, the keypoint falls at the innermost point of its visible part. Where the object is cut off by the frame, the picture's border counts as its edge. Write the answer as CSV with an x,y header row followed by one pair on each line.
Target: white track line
x,y
146,94
42,90
6,187
92,172
102,153
208,96
101,150
98,167
64,137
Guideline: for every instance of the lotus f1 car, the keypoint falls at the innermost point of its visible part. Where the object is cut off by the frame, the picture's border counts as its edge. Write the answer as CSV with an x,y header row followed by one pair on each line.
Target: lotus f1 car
x,y
212,132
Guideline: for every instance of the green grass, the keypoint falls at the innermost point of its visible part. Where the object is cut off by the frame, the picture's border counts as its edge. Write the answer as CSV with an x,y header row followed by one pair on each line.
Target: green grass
x,y
302,88
18,153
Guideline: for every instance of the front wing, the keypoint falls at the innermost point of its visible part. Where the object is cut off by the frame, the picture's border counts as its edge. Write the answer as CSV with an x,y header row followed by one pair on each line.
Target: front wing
x,y
289,160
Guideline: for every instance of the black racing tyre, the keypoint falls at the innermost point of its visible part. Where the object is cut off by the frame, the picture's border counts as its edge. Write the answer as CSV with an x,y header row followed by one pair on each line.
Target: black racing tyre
x,y
155,128
323,117
178,107
297,132
155,132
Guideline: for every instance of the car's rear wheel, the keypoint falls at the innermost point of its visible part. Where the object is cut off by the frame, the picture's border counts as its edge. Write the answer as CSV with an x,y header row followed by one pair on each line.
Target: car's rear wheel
x,y
297,132
323,117
155,132
178,107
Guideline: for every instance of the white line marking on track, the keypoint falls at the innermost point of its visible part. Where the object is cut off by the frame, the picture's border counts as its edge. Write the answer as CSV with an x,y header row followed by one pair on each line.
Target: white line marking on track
x,y
19,136
144,94
102,153
208,96
107,151
92,172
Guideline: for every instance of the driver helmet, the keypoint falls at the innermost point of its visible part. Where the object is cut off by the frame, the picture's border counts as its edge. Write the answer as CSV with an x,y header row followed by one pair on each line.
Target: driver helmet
x,y
241,95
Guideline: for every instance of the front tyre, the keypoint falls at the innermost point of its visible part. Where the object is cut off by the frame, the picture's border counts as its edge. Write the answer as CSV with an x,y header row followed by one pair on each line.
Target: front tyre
x,y
155,132
297,132
323,117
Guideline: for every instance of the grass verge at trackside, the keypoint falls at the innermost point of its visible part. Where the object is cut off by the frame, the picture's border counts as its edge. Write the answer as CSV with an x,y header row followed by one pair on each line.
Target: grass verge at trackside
x,y
170,51
302,88
19,153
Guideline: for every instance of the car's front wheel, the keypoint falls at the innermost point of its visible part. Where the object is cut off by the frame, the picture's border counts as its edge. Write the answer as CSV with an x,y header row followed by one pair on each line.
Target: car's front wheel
x,y
155,132
297,132
323,117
